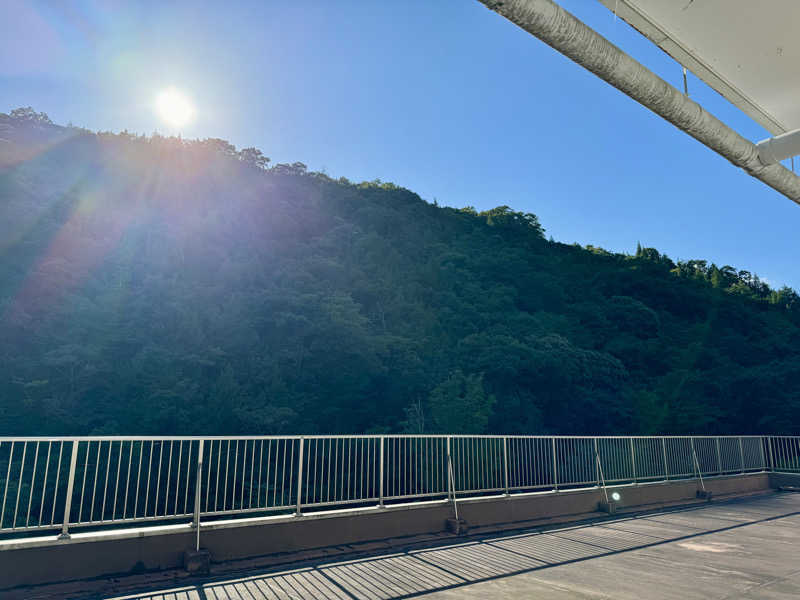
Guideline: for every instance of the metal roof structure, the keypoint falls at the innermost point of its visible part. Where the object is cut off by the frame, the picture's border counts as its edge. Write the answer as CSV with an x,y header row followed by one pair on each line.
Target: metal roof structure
x,y
747,51
757,82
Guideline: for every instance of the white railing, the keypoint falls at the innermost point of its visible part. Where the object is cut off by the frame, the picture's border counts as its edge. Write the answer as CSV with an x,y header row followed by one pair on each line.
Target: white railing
x,y
79,482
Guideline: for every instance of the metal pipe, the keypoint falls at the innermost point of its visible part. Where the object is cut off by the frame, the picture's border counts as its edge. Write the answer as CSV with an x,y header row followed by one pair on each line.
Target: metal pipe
x,y
196,518
68,499
559,29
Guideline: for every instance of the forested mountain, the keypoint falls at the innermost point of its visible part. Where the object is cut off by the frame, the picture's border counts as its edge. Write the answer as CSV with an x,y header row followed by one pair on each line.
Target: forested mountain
x,y
163,286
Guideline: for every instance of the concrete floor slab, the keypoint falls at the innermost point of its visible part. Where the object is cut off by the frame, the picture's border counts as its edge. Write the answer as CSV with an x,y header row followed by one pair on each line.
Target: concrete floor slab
x,y
739,549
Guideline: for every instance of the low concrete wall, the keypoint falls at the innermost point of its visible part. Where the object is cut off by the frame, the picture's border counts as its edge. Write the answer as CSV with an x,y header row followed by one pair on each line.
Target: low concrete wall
x,y
100,554
777,480
67,560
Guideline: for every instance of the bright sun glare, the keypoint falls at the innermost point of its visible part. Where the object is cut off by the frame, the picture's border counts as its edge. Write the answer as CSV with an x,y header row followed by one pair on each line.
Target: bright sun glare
x,y
174,107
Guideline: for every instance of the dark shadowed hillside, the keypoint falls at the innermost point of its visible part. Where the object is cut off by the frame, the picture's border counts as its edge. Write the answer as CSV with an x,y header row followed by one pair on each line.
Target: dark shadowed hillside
x,y
155,285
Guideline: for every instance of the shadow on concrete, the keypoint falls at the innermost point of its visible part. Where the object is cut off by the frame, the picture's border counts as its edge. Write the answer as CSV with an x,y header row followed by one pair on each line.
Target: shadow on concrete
x,y
417,572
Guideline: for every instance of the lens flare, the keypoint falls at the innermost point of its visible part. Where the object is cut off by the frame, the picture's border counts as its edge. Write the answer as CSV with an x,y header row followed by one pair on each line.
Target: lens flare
x,y
174,107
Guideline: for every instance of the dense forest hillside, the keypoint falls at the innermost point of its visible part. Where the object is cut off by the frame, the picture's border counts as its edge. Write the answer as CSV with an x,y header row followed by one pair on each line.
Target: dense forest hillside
x,y
158,285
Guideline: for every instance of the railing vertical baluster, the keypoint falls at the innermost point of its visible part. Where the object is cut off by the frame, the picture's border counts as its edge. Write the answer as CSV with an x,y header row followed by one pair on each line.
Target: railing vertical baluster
x,y
741,455
771,454
197,486
149,471
299,512
719,459
555,466
169,473
127,481
633,462
19,485
283,472
44,483
5,490
252,471
666,464
138,478
55,487
177,474
116,483
505,464
762,457
380,493
105,481
33,484
68,500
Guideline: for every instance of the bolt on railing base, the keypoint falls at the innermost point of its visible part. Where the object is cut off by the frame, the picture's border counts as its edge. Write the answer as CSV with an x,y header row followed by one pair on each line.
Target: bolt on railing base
x,y
64,536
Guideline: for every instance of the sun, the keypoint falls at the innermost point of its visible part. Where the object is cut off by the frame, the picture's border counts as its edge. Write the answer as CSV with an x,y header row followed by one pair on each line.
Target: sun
x,y
174,107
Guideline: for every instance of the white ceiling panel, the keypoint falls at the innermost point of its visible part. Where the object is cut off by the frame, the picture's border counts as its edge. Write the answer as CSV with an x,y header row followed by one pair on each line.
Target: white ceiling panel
x,y
747,50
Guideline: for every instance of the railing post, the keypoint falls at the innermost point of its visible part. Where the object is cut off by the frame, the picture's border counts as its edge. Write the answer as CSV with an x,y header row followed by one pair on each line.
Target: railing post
x,y
666,467
633,462
451,480
70,482
299,512
197,486
596,463
555,466
448,468
697,464
505,463
741,455
380,493
719,460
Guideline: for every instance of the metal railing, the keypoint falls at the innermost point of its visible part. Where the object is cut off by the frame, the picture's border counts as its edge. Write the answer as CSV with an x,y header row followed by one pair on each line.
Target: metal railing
x,y
52,484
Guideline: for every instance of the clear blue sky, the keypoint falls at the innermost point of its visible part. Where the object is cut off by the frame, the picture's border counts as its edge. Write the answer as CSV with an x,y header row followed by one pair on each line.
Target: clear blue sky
x,y
443,97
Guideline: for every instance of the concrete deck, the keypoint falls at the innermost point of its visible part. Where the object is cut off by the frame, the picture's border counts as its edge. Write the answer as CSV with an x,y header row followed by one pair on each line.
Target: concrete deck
x,y
744,548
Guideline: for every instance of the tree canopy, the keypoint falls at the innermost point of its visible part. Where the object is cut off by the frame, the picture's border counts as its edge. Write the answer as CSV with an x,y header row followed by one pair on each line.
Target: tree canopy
x,y
155,285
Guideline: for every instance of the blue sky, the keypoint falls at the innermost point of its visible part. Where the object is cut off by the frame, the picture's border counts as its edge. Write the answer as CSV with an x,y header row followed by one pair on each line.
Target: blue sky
x,y
445,98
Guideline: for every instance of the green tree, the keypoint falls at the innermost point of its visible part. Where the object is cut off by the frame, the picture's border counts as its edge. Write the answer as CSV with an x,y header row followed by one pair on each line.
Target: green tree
x,y
460,404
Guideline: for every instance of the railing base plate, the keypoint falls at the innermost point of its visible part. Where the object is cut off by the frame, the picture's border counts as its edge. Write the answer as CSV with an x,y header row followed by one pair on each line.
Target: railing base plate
x,y
197,561
607,507
457,526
